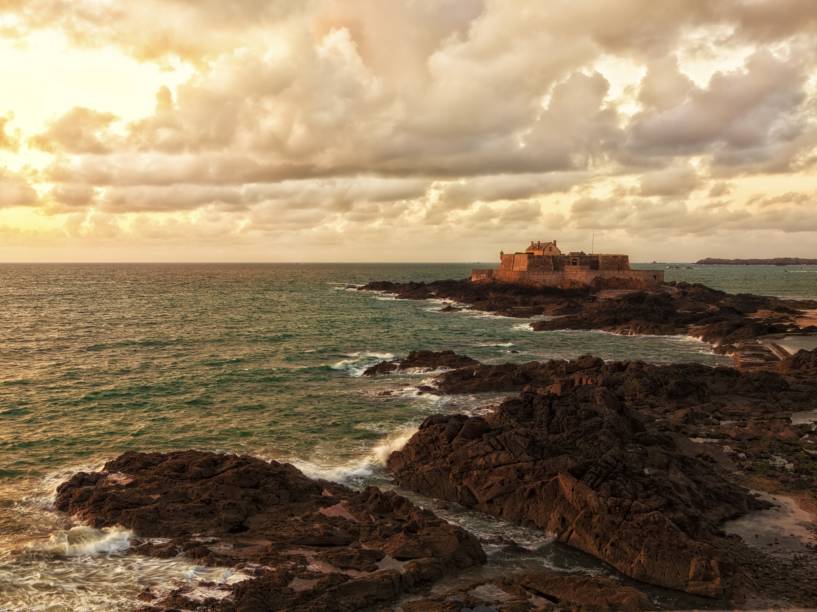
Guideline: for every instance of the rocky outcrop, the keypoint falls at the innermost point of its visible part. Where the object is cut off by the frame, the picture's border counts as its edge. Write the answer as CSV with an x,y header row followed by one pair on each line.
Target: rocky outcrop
x,y
582,465
719,318
690,390
499,298
745,414
422,360
543,590
483,378
803,363
306,544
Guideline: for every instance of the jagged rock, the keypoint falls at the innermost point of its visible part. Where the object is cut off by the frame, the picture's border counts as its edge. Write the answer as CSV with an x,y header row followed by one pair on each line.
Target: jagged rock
x,y
585,467
746,414
802,363
319,545
716,317
425,360
481,377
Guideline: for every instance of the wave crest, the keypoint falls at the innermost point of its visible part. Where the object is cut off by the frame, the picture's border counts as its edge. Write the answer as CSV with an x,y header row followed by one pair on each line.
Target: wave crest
x,y
83,541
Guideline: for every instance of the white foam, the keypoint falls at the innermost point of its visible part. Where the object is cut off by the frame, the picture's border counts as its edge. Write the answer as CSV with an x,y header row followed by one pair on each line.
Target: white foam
x,y
481,314
345,286
358,468
805,417
522,327
357,363
83,541
392,443
99,582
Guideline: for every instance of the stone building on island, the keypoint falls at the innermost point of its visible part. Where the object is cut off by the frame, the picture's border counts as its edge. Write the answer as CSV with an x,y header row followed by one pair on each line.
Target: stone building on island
x,y
543,264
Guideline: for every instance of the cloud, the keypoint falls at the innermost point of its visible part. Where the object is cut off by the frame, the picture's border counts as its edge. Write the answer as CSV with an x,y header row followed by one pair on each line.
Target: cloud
x,y
73,196
351,117
748,118
793,212
676,180
719,189
8,139
80,130
16,191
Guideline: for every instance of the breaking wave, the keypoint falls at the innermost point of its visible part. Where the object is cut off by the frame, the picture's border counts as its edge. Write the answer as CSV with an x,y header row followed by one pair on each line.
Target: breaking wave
x,y
356,363
84,541
362,468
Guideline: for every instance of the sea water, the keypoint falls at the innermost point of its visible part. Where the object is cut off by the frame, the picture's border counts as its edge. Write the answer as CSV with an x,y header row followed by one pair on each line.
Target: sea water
x,y
261,359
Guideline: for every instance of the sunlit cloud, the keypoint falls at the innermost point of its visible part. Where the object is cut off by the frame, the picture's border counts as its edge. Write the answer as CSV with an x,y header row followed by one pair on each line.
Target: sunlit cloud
x,y
426,129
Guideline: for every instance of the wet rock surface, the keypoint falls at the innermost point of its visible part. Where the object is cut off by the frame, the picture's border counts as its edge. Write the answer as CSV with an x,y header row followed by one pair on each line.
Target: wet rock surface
x,y
747,416
422,360
636,464
305,544
584,467
545,590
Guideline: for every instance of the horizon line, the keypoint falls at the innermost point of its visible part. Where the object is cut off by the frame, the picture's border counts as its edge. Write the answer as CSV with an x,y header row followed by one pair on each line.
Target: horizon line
x,y
306,263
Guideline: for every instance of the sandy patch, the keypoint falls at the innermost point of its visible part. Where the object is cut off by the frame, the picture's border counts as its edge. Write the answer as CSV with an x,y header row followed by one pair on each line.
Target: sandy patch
x,y
785,529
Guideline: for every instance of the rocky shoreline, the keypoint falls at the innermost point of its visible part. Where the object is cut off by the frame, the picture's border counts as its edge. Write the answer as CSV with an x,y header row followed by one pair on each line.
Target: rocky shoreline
x,y
303,544
643,467
724,320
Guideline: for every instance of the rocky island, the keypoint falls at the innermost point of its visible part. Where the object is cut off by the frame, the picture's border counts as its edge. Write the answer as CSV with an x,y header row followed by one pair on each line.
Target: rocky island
x,y
746,326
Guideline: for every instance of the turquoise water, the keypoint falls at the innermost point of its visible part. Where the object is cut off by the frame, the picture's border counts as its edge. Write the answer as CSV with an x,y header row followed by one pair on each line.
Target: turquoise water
x,y
261,359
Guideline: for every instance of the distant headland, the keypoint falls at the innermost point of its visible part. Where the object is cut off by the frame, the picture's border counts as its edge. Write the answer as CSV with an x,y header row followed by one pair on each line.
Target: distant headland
x,y
776,261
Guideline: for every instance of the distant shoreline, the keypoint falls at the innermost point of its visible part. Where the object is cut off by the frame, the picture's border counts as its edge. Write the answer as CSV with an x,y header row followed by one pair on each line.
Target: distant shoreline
x,y
777,261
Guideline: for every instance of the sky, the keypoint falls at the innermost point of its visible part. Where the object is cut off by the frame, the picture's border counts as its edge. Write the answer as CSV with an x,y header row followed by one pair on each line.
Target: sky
x,y
406,130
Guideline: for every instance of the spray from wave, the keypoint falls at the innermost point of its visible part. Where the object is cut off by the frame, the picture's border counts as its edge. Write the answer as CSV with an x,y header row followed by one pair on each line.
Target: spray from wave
x,y
356,363
362,468
85,541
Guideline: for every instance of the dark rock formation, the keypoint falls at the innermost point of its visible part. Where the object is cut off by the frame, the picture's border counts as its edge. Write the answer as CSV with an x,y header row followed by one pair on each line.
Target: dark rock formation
x,y
308,544
544,590
503,299
425,360
585,467
745,414
802,363
481,377
720,318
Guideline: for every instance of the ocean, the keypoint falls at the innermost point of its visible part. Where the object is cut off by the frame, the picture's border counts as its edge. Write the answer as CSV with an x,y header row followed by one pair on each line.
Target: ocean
x,y
261,359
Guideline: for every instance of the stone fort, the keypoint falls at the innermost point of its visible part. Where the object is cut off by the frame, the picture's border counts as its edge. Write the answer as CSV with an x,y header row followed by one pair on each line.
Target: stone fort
x,y
543,264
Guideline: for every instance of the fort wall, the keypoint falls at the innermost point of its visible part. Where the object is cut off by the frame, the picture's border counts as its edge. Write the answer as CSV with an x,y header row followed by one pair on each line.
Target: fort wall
x,y
569,277
544,265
